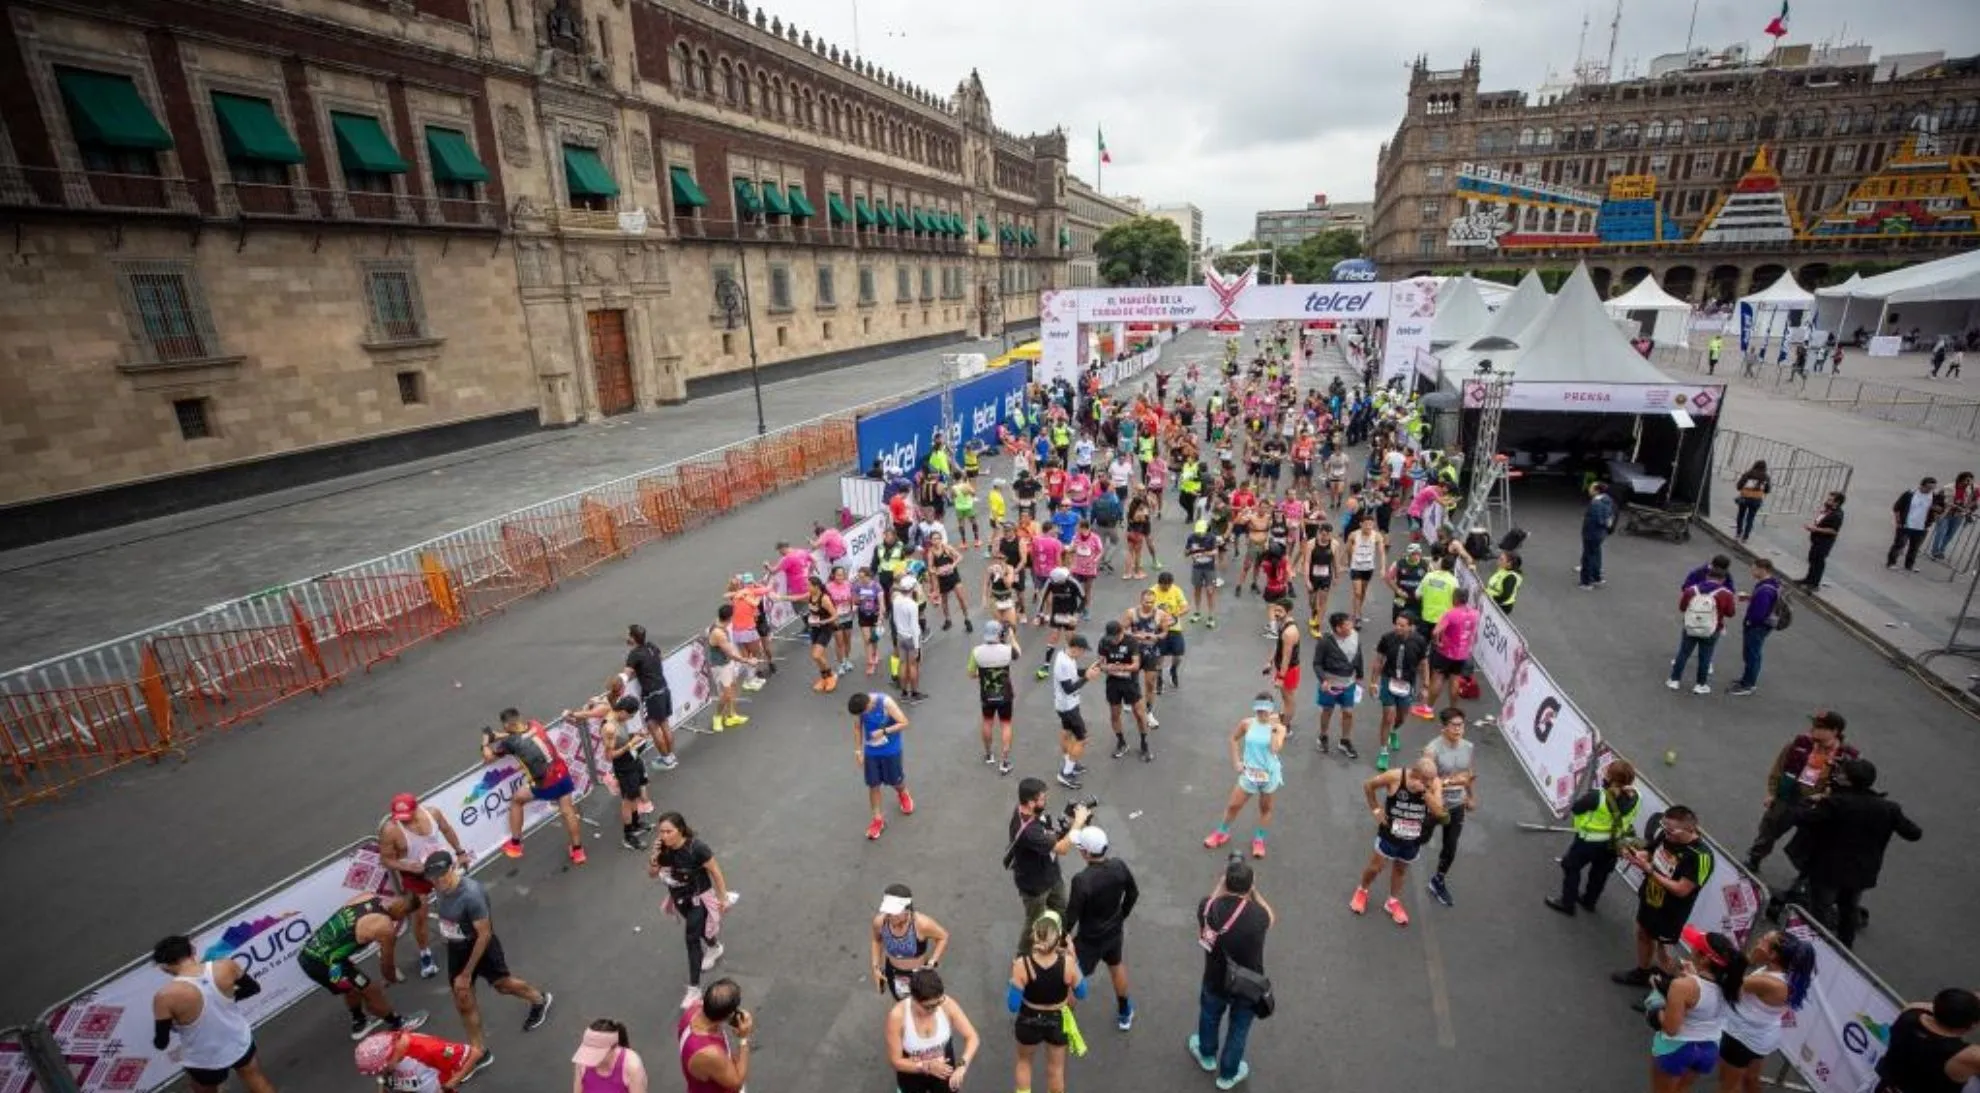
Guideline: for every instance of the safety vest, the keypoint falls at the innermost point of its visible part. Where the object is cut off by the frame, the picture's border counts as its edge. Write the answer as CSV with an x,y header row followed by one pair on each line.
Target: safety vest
x,y
1192,475
893,558
938,461
1601,824
1061,436
971,461
1503,587
1436,592
1147,449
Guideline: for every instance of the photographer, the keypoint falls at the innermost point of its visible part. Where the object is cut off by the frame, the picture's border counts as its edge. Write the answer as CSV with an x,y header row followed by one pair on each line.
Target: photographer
x,y
1103,896
1231,925
705,1057
1037,840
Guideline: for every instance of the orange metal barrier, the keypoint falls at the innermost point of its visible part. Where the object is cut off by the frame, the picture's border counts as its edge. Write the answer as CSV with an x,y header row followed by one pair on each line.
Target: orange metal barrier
x,y
572,543
51,741
706,487
374,617
225,677
785,460
664,504
487,577
745,470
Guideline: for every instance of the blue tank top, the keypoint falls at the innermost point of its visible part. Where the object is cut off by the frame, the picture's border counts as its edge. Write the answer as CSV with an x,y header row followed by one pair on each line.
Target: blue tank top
x,y
903,947
1261,763
869,724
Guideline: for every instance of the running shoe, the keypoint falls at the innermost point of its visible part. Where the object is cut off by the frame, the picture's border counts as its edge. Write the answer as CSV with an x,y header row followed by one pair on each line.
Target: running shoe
x,y
906,801
539,1013
1321,740
513,848
874,829
968,627
692,996
630,842
1069,781
1702,689
1359,902
1043,671
1004,767
1258,848
1213,622
818,684
1347,751
1216,839
1424,712
667,762
1243,1072
1153,723
406,1022
711,958
1124,1019
737,721
1207,1062
1395,908
1147,753
990,758
487,1060
363,1025
427,968
717,723
1440,890
754,684
577,855
1120,747
831,684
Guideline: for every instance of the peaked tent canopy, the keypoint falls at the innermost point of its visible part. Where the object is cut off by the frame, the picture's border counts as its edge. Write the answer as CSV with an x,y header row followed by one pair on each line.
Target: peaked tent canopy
x,y
1784,293
1777,310
1954,278
1575,341
1662,315
1461,313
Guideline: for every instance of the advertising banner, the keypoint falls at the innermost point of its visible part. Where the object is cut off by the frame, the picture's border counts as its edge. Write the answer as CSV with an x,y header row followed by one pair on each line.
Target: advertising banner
x,y
1239,301
901,437
1845,1027
1698,400
1058,337
984,403
1730,903
1412,308
1549,737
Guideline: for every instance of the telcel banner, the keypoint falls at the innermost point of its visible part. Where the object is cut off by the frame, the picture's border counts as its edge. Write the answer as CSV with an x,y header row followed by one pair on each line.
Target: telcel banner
x,y
903,436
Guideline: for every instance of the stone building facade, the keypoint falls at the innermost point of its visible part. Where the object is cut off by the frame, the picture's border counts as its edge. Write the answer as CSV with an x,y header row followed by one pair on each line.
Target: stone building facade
x,y
1645,175
260,243
1089,213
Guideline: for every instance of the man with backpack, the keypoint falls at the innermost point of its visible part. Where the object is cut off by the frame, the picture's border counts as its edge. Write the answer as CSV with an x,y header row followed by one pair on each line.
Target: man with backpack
x,y
1767,610
1704,606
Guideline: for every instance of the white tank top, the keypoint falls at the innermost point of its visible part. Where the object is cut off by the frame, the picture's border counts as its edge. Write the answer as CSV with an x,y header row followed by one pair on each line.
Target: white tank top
x,y
220,1035
1755,1023
419,846
1706,1020
931,1048
1363,554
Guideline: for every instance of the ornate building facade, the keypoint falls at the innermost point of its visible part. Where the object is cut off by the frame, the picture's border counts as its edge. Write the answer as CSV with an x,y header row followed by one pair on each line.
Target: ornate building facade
x,y
1089,213
1715,174
258,243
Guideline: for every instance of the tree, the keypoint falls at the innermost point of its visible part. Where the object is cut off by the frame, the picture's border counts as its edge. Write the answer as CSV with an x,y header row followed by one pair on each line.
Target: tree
x,y
1310,262
1144,251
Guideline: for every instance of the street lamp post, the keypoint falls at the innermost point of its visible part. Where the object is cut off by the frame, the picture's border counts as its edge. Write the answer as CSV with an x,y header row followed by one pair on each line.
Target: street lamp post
x,y
733,299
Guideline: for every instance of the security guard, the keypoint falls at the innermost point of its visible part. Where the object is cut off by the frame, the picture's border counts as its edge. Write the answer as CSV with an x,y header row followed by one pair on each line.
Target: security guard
x,y
1603,816
1503,585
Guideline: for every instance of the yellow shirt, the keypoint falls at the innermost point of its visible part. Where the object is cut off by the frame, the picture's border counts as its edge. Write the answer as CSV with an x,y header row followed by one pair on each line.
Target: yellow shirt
x,y
997,505
1174,602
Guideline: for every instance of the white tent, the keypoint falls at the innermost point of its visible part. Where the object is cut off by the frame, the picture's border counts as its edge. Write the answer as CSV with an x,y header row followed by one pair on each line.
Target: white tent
x,y
1938,297
1500,337
1768,318
1461,313
1493,293
1574,341
1652,310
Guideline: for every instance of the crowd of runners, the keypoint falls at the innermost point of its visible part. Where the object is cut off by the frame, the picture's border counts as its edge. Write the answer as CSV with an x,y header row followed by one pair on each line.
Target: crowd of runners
x,y
1303,495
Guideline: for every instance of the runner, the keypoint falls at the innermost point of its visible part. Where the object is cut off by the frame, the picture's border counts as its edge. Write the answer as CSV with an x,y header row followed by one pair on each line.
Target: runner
x,y
1255,520
1203,548
877,727
1318,556
990,665
329,959
968,532
748,596
1061,602
1068,676
905,624
413,1062
1255,747
1405,579
201,1005
903,941
622,746
697,893
1337,664
841,592
1045,552
1140,525
702,1032
1451,638
922,1038
473,950
605,1061
1368,553
1399,659
404,840
1283,665
648,667
868,597
1337,470
1781,971
1415,800
1169,599
1120,664
1149,626
1688,1013
547,778
1453,755
1044,981
724,666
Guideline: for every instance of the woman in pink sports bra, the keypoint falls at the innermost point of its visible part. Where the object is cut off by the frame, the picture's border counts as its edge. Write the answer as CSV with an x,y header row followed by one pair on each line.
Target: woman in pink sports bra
x,y
605,1061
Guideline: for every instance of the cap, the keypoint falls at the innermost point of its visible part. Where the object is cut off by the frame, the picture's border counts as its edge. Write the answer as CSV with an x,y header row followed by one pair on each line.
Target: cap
x,y
906,584
1061,573
993,630
405,806
1828,719
1694,939
1413,548
1091,840
1078,641
996,481
894,905
438,864
595,1048
374,1052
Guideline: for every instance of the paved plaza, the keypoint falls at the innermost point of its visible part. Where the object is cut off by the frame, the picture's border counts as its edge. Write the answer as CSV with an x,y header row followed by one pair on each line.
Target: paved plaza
x,y
1468,994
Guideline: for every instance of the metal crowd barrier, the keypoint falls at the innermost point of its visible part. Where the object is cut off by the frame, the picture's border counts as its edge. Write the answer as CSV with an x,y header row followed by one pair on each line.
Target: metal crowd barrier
x,y
1948,415
1801,479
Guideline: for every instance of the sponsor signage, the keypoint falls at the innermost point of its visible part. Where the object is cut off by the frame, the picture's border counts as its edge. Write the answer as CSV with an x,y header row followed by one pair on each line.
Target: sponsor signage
x,y
1698,400
903,436
1838,1037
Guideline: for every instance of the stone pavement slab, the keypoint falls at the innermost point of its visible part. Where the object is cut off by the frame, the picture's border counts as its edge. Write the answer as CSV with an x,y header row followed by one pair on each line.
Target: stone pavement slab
x,y
70,594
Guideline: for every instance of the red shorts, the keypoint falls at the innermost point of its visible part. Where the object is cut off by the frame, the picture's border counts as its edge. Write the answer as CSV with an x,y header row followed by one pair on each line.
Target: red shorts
x,y
413,884
1288,680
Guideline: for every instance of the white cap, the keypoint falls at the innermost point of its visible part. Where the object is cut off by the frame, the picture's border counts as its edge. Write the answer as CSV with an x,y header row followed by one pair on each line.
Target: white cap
x,y
1061,573
894,905
905,584
1091,840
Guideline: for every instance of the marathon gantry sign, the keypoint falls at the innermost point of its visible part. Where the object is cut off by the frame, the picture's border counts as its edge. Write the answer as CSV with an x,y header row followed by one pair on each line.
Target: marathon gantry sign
x,y
1405,308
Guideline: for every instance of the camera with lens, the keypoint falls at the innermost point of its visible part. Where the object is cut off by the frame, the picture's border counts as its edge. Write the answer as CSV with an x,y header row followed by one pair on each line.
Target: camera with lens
x,y
1088,802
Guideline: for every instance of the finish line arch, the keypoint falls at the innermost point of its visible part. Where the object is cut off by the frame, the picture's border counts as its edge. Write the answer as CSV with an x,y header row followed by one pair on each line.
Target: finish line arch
x,y
1403,308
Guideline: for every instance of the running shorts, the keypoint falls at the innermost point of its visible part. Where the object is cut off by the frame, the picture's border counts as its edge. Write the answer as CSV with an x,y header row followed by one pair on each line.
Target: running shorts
x,y
1091,952
1396,851
884,770
659,706
1034,1027
1443,665
999,709
947,582
1072,724
630,773
821,636
1288,680
1122,691
492,968
554,791
340,977
1173,644
216,1077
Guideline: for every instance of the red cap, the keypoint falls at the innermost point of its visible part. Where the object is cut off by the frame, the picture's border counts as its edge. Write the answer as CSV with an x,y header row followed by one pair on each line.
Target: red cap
x,y
1694,939
405,806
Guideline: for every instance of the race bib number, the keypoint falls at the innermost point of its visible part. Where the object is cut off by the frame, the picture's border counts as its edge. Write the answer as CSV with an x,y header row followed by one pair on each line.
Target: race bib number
x,y
1322,572
452,930
901,991
876,739
1406,829
1398,687
1085,552
1256,776
1664,863
1811,771
1006,605
668,878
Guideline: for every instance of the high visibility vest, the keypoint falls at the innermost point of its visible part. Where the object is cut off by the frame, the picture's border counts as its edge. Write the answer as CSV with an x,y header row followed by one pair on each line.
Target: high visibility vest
x,y
1436,592
1061,437
1503,587
1147,448
1601,824
893,558
1192,475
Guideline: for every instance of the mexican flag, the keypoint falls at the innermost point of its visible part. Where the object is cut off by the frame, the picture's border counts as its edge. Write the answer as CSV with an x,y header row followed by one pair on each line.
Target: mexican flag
x,y
1779,27
1104,157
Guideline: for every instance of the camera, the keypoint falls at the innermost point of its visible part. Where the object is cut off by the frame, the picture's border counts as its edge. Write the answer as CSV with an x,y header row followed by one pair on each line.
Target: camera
x,y
1090,803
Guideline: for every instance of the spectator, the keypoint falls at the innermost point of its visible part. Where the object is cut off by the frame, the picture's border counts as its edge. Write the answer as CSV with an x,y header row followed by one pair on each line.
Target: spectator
x,y
1704,607
1928,1049
1841,843
1801,771
1822,534
1959,508
1751,490
605,1061
1597,521
1765,613
1911,516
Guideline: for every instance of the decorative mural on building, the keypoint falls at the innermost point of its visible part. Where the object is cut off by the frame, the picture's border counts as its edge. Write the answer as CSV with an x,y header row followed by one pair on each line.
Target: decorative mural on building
x,y
1920,191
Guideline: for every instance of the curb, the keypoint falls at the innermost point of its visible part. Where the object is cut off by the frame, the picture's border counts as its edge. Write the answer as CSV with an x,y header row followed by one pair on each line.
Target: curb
x,y
1952,693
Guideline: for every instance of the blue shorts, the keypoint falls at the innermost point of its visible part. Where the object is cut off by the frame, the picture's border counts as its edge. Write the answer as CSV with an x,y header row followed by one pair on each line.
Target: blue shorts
x,y
1390,698
1346,700
1692,1056
1396,851
554,791
1172,644
884,770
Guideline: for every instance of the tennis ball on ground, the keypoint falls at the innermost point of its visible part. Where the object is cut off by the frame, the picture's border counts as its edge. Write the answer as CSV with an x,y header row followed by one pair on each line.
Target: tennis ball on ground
x,y
1671,758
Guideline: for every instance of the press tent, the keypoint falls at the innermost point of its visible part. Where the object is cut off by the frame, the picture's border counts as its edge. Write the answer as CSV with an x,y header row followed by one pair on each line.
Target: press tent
x,y
1655,312
1938,297
1769,316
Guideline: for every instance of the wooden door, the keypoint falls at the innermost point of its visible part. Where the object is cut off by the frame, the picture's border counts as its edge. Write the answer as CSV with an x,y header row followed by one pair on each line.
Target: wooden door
x,y
611,365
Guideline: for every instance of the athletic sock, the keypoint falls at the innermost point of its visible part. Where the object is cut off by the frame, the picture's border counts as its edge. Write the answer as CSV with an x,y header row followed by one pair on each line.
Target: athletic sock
x,y
1123,1004
1067,767
1120,740
1258,834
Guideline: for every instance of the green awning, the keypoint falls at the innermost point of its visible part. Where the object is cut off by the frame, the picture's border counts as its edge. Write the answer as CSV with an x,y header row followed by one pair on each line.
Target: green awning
x,y
1029,237
800,204
866,217
886,216
901,220
982,228
922,226
686,191
107,110
836,207
363,146
453,157
773,199
944,223
956,225
1006,235
585,173
748,201
1065,238
249,130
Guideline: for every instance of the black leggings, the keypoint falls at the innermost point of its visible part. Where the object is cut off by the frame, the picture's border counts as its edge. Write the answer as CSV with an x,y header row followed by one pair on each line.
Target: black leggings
x,y
695,918
1447,848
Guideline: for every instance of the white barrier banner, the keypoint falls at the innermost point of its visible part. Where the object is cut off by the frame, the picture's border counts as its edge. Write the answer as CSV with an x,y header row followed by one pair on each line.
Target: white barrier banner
x,y
1500,649
1729,903
105,1034
862,543
1698,400
1837,1038
477,802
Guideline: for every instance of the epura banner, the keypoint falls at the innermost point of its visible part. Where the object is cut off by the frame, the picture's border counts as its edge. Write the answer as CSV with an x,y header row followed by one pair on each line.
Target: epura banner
x,y
1698,400
1838,1037
903,436
105,1033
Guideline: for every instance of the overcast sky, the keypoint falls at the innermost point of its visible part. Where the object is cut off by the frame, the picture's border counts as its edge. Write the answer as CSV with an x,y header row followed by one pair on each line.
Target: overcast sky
x,y
1240,107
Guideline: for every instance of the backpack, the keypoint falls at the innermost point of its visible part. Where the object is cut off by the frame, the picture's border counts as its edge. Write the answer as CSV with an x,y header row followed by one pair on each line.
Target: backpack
x,y
1782,615
1106,509
1513,539
1701,614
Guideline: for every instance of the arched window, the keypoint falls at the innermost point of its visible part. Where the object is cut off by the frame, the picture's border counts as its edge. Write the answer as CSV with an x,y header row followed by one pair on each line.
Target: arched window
x,y
1866,119
1654,132
832,114
1895,119
1722,127
859,124
1842,122
1588,136
678,64
1947,111
1674,131
1545,138
810,111
703,81
742,84
728,73
763,97
1610,132
1701,130
1526,137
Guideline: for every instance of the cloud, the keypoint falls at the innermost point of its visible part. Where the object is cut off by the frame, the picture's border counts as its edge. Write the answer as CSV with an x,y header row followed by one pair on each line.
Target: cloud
x,y
1249,106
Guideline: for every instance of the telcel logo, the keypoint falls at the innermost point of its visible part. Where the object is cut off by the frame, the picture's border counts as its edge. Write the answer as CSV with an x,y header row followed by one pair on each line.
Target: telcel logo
x,y
1338,301
901,457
